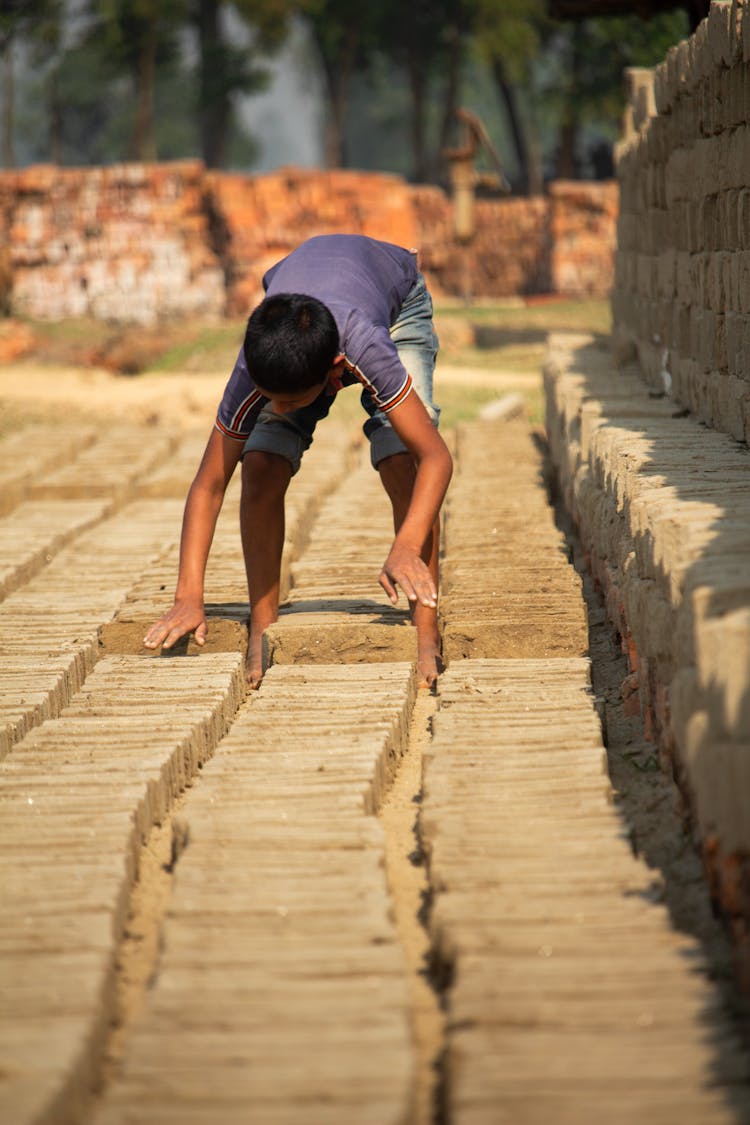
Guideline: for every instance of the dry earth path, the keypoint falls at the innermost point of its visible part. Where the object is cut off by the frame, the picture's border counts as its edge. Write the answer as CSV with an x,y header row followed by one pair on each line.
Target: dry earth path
x,y
276,982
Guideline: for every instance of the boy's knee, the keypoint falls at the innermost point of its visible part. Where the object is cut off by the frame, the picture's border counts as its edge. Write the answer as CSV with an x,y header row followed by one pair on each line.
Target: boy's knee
x,y
264,475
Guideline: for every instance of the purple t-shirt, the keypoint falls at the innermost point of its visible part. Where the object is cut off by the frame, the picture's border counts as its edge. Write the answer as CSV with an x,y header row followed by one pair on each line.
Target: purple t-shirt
x,y
364,284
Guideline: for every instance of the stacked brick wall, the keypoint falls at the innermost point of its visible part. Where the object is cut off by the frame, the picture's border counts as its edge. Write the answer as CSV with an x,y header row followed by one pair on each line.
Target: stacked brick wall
x,y
583,226
142,242
652,456
682,274
125,243
259,219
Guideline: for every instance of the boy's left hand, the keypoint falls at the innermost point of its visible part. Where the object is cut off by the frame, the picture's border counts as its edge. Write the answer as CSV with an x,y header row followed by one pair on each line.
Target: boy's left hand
x,y
405,568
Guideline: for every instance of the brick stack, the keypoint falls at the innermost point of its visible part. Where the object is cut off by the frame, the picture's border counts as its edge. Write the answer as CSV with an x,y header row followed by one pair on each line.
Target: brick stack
x,y
662,506
129,242
262,218
682,275
582,236
509,255
138,243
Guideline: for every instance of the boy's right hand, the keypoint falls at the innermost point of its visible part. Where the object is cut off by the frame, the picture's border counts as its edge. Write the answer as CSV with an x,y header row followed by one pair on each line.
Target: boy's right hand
x,y
185,616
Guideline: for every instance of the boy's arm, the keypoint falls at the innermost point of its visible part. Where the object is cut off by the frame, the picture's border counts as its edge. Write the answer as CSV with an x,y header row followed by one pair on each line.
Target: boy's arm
x,y
404,566
198,525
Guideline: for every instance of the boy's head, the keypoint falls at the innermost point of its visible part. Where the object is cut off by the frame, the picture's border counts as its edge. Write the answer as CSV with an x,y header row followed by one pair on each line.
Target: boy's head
x,y
290,344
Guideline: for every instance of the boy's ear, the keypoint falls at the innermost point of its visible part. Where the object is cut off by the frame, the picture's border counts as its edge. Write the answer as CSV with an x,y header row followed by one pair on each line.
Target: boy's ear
x,y
340,358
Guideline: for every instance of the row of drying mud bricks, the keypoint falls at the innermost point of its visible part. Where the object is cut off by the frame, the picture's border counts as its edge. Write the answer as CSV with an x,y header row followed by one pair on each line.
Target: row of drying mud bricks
x,y
663,510
136,243
682,269
130,242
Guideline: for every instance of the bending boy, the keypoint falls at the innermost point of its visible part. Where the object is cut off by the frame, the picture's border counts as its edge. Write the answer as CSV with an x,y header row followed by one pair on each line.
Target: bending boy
x,y
339,310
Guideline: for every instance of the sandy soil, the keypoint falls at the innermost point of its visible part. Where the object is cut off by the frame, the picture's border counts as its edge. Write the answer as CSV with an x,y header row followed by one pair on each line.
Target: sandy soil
x,y
648,799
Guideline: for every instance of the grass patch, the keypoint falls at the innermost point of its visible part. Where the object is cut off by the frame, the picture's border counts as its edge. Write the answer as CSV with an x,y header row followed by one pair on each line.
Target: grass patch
x,y
204,349
544,316
463,404
507,337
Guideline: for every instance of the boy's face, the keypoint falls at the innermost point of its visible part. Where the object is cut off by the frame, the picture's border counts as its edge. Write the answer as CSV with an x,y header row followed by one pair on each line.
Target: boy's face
x,y
285,404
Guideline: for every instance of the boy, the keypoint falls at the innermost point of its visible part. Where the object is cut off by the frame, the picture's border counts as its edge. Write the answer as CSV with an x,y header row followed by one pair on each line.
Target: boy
x,y
339,310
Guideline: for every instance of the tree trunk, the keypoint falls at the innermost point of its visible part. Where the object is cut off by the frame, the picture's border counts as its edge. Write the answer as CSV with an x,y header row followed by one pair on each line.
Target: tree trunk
x,y
55,118
567,152
338,74
333,142
142,144
528,163
417,84
452,93
215,107
7,146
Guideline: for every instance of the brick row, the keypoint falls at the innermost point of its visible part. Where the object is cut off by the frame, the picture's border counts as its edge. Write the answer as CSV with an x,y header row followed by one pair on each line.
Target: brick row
x,y
281,993
663,507
78,797
682,265
572,997
499,599
50,627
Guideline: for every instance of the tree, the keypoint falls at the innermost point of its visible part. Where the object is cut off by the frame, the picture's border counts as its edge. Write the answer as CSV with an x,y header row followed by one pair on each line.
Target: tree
x,y
414,37
137,36
509,34
36,23
587,86
343,34
226,69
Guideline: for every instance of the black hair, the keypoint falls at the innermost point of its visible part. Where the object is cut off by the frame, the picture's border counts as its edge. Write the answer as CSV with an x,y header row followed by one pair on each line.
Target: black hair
x,y
290,343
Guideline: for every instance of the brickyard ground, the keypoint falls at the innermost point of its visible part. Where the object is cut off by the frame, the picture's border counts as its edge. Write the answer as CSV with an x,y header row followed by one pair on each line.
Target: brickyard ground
x,y
337,900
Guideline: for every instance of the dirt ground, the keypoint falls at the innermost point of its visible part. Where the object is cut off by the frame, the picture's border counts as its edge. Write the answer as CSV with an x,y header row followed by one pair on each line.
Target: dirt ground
x,y
36,390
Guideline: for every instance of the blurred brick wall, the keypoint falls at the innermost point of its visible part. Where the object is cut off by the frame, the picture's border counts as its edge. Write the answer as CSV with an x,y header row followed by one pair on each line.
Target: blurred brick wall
x,y
141,242
124,243
682,278
259,219
583,236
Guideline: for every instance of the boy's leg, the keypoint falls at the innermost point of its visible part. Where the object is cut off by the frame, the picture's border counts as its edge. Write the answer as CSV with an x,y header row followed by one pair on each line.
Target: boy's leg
x,y
397,474
265,479
271,457
414,336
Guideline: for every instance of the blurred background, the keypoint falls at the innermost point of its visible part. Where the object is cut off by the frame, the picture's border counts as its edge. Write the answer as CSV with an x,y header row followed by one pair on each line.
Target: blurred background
x,y
256,84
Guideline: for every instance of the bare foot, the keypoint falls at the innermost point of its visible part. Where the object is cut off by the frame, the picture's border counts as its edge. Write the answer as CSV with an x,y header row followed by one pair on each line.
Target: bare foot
x,y
429,659
254,663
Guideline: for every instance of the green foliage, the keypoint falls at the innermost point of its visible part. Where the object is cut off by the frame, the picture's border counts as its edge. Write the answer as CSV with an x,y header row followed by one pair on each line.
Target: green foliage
x,y
511,31
123,27
604,48
393,73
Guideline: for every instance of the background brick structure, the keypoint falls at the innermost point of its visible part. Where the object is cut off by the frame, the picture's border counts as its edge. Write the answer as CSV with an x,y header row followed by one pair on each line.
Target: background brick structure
x,y
651,452
137,243
682,275
130,242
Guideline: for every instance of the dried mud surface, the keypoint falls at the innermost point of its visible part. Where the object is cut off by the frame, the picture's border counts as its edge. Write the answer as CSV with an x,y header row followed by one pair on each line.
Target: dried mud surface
x,y
162,408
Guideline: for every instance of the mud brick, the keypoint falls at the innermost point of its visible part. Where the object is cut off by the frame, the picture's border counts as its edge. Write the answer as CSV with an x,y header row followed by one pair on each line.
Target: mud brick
x,y
140,242
733,267
743,219
685,603
735,327
719,34
712,294
743,287
733,402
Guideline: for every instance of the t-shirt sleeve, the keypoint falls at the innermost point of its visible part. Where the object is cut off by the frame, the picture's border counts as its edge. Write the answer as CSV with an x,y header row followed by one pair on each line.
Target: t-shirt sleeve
x,y
240,403
375,361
